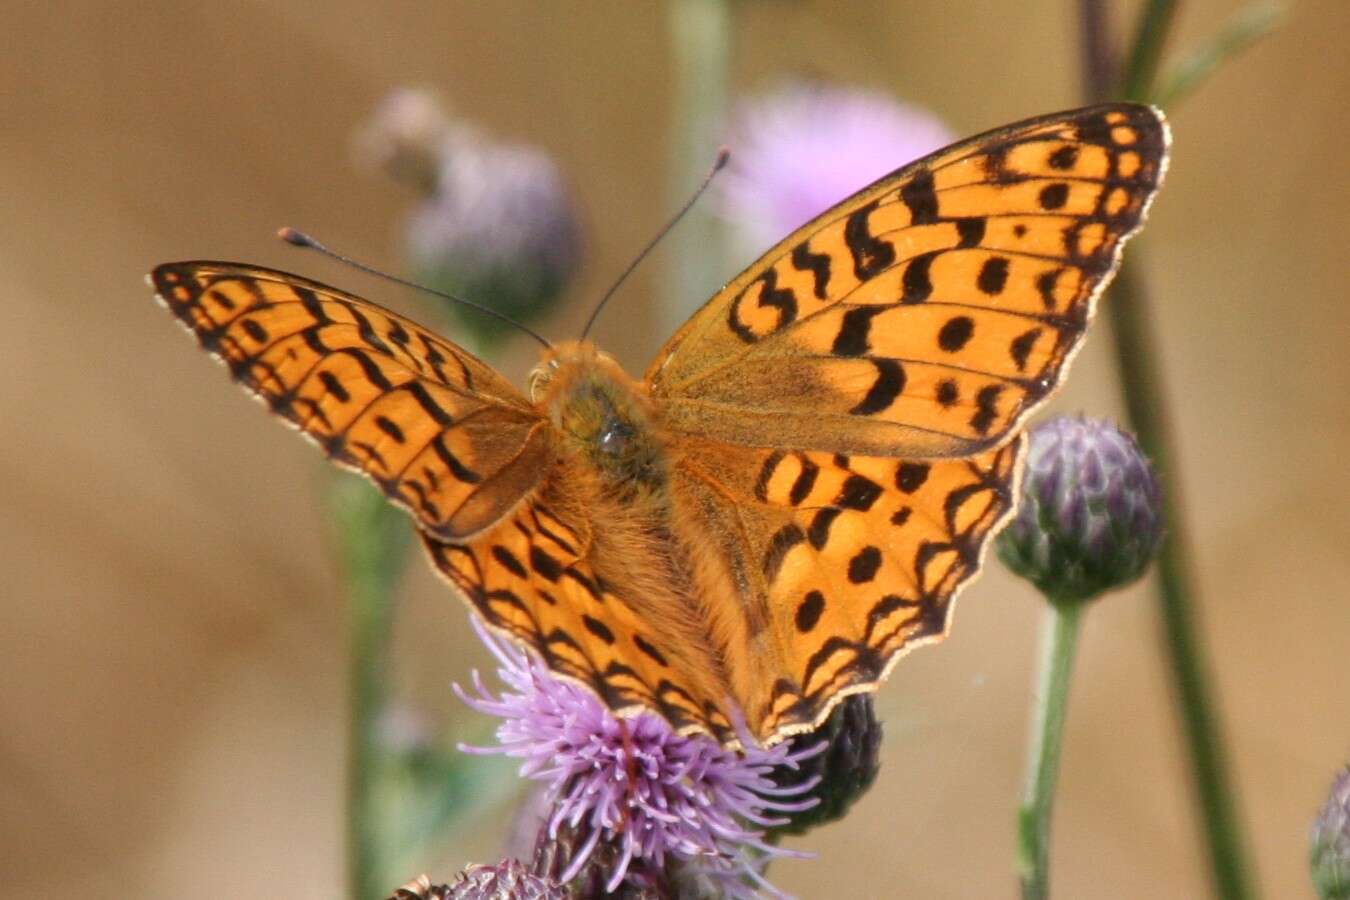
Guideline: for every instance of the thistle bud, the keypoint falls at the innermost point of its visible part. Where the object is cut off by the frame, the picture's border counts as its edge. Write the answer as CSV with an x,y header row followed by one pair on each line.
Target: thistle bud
x,y
843,769
1089,515
1330,843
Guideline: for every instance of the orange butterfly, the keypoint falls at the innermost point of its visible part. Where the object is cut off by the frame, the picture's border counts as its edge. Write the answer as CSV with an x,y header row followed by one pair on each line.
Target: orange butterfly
x,y
810,469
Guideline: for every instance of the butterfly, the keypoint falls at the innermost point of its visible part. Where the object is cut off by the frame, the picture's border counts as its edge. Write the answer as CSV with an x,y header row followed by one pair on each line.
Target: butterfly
x,y
792,495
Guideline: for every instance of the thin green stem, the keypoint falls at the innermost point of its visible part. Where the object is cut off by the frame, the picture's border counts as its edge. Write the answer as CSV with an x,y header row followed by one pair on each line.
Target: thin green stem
x,y
1147,410
700,34
1059,639
1146,403
371,542
1145,54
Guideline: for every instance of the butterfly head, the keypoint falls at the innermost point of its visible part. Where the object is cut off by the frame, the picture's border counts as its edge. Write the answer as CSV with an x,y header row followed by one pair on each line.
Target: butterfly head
x,y
600,411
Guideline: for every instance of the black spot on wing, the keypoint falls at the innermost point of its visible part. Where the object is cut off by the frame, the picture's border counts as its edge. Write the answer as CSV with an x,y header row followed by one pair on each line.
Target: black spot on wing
x,y
920,196
871,255
863,567
818,264
993,275
889,383
853,338
956,333
809,611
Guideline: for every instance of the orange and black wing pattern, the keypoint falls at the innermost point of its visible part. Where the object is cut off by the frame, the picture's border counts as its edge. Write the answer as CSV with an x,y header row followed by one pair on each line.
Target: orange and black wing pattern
x,y
437,430
931,313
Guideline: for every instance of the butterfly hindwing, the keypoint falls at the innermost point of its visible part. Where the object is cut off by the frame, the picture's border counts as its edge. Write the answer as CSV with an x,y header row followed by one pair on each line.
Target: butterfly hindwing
x,y
842,562
930,313
533,576
436,429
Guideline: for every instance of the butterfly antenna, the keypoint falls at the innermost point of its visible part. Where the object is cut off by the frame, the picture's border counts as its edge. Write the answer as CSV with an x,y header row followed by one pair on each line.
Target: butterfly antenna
x,y
723,157
300,239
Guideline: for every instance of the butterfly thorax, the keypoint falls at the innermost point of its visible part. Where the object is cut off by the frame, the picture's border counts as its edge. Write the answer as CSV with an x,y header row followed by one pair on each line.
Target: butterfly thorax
x,y
603,417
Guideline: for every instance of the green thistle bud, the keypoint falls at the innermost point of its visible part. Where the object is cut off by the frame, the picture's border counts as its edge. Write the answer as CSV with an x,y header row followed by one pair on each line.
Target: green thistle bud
x,y
846,767
1089,517
1330,844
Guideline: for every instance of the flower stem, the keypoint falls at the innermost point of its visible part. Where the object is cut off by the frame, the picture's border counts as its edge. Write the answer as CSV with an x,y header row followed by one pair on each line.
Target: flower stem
x,y
1182,644
1150,35
1145,400
1059,639
701,35
370,538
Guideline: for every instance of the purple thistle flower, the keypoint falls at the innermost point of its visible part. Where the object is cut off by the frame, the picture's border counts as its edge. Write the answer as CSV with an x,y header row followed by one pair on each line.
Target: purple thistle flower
x,y
800,149
496,223
500,229
1330,843
634,786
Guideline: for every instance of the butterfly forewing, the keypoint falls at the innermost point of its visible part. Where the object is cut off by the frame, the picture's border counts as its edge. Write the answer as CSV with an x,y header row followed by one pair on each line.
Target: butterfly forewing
x,y
849,407
436,429
929,314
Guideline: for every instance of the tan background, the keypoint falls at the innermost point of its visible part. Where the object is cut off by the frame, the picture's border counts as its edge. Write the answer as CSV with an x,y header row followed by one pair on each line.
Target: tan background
x,y
173,674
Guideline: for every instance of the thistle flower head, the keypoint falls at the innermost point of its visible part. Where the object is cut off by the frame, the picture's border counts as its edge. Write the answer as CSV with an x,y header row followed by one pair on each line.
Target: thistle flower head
x,y
1089,517
798,150
500,229
496,224
1330,843
630,793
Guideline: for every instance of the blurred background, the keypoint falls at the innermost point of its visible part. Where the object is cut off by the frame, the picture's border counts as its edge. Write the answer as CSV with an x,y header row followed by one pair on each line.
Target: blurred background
x,y
174,671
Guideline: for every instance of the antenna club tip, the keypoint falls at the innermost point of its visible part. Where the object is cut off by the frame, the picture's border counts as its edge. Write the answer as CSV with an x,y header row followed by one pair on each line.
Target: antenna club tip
x,y
723,157
291,236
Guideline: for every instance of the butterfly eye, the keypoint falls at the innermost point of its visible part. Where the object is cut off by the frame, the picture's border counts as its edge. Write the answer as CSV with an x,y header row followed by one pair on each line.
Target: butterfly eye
x,y
615,439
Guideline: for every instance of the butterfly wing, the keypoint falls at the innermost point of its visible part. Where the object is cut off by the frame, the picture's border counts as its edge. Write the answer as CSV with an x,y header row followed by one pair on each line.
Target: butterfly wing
x,y
846,413
841,563
932,311
437,430
534,576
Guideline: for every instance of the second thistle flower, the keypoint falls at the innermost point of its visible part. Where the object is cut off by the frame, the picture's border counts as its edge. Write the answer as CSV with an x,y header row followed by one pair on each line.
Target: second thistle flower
x,y
496,224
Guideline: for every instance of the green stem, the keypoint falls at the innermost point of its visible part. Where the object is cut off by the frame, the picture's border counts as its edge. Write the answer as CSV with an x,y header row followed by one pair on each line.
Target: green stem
x,y
1150,35
1058,642
370,539
1147,410
700,34
1145,400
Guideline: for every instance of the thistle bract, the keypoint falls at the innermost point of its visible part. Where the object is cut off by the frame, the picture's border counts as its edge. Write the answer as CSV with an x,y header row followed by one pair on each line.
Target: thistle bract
x,y
844,769
1089,513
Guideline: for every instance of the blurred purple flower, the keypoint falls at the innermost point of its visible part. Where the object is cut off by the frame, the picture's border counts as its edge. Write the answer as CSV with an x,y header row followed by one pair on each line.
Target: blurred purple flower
x,y
798,150
1089,518
634,787
1330,842
499,229
496,224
